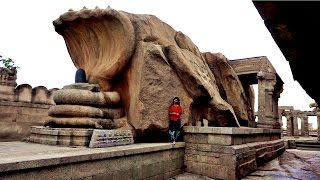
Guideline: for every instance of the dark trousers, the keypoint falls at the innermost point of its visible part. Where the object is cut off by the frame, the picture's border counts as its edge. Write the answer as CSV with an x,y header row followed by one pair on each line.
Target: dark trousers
x,y
174,129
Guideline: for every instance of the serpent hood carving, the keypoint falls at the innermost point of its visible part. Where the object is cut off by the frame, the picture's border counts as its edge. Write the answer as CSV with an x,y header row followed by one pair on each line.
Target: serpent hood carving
x,y
148,63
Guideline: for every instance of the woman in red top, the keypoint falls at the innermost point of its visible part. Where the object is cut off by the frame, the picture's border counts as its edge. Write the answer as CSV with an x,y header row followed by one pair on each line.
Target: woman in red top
x,y
175,111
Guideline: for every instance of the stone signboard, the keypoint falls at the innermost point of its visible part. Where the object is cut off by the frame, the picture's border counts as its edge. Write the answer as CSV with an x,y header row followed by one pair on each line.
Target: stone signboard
x,y
108,138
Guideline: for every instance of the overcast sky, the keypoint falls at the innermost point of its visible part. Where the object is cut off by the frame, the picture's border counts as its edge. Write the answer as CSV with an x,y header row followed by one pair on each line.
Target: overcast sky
x,y
232,27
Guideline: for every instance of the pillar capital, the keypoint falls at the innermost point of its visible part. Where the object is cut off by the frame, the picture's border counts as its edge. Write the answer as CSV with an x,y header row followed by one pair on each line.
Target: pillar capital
x,y
266,75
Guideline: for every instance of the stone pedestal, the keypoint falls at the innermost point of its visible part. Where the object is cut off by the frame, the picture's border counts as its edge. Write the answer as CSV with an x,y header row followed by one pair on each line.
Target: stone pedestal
x,y
60,136
94,138
229,153
318,125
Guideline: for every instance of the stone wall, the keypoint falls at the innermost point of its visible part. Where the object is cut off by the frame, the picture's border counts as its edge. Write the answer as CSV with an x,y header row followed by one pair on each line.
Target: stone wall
x,y
21,107
136,161
229,153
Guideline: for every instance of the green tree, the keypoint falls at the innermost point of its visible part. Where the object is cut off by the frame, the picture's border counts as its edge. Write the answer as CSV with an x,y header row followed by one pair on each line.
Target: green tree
x,y
7,63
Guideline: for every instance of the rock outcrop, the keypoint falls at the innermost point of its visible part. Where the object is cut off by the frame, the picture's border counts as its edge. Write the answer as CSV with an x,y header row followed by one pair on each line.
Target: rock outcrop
x,y
148,63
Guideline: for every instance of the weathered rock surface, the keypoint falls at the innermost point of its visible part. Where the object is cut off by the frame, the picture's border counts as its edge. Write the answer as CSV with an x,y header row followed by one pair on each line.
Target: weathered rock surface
x,y
200,83
106,42
230,87
148,63
147,88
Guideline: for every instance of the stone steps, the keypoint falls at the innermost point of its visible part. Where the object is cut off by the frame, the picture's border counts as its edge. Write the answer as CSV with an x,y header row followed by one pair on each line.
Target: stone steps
x,y
308,145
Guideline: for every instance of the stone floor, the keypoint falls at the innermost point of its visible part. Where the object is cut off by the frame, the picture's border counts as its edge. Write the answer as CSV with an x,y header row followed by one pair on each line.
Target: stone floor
x,y
292,164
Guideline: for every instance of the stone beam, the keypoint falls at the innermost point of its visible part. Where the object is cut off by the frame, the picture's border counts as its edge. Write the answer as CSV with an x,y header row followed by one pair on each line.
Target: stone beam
x,y
286,108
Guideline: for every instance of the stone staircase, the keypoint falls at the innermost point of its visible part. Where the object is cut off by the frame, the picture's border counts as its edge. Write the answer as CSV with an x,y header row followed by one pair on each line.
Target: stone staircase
x,y
308,145
311,145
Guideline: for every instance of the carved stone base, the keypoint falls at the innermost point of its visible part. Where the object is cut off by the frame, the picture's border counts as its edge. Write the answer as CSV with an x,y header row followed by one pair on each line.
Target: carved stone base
x,y
60,136
266,125
108,138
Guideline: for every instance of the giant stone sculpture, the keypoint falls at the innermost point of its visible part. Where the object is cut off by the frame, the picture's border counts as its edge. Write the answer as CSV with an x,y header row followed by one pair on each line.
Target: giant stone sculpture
x,y
148,63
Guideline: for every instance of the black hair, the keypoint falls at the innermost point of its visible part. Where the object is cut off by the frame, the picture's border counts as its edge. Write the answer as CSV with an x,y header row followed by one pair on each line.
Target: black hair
x,y
174,99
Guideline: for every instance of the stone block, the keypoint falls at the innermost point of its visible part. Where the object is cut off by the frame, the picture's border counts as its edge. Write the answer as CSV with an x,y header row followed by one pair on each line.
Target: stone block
x,y
148,170
7,97
24,93
213,171
8,117
170,174
220,139
60,136
126,174
9,109
52,173
246,168
107,138
39,95
196,138
173,164
231,154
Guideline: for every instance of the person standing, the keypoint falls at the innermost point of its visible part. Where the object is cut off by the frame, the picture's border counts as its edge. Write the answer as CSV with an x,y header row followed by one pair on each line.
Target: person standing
x,y
175,111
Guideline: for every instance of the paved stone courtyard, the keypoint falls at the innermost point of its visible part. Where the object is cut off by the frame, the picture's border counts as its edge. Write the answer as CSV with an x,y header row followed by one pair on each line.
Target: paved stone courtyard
x,y
292,164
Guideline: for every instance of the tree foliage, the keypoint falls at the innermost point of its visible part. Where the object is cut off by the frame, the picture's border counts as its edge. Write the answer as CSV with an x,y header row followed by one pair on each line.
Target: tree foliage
x,y
7,63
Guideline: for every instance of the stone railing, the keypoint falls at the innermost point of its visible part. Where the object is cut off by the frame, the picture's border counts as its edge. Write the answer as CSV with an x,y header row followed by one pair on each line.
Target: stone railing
x,y
22,107
25,93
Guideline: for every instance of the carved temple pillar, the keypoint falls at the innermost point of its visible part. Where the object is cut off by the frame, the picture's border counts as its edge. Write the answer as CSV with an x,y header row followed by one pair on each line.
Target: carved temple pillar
x,y
318,124
280,114
295,122
266,108
289,124
304,125
278,89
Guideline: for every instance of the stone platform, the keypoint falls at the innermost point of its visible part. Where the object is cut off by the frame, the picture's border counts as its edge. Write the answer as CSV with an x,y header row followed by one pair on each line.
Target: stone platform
x,y
230,153
80,137
24,160
60,136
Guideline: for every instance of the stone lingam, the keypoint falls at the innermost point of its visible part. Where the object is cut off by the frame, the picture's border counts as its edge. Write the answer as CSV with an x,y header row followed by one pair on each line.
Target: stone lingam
x,y
134,66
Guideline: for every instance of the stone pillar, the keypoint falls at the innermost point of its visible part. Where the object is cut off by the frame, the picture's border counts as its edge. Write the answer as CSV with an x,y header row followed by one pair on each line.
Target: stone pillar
x,y
278,88
295,122
266,82
304,124
289,125
318,124
261,98
280,121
